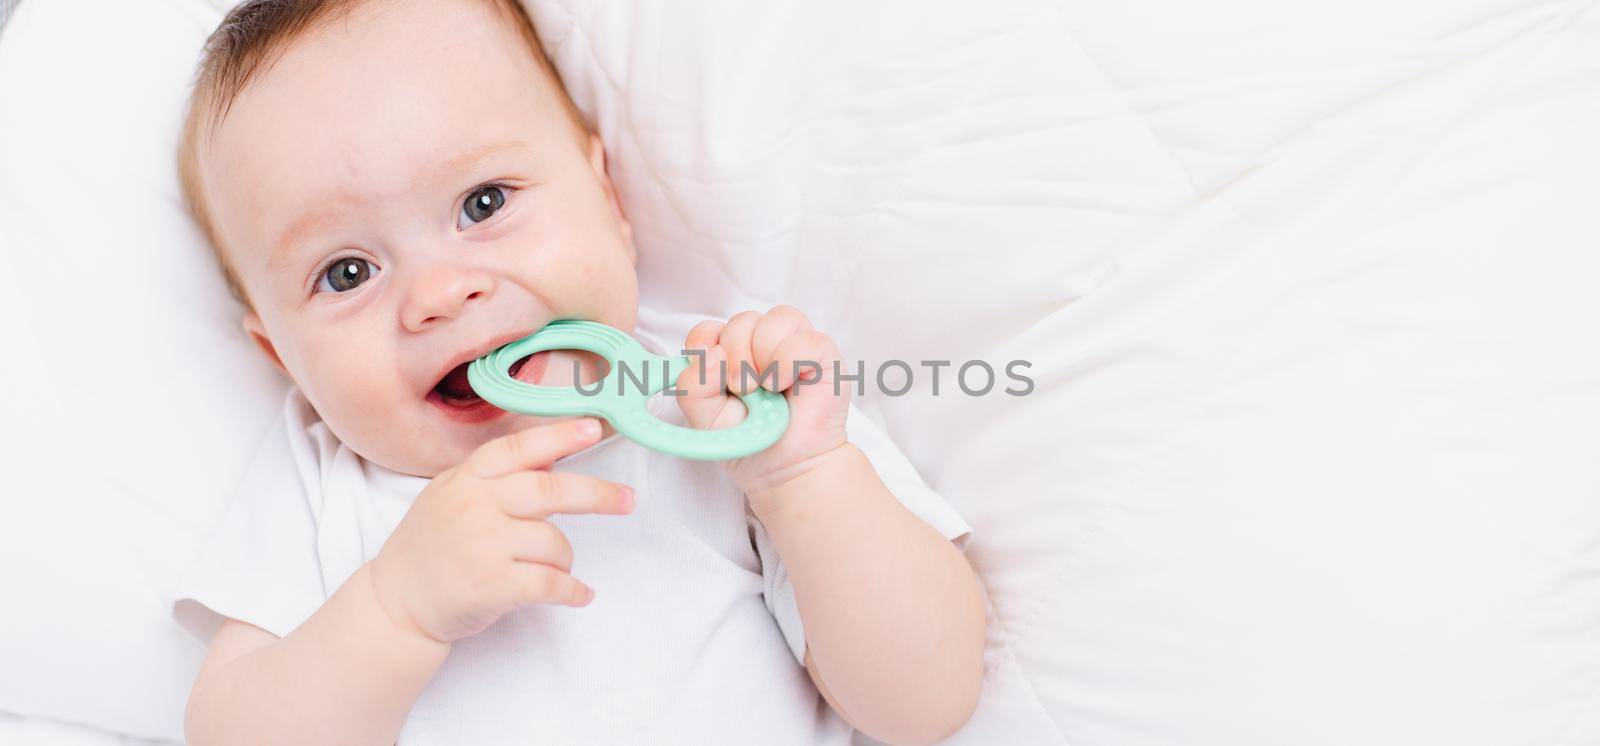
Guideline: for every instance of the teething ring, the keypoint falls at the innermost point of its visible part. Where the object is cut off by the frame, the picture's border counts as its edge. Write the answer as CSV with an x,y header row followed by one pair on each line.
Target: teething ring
x,y
636,374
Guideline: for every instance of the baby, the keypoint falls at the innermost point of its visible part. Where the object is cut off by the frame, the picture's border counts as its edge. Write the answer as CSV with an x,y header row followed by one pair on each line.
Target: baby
x,y
397,187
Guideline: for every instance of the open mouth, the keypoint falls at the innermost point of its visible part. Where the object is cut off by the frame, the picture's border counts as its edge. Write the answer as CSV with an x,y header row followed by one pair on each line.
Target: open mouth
x,y
455,396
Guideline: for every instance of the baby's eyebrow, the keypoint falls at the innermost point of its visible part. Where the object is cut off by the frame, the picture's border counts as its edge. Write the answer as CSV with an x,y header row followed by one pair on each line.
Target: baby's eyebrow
x,y
444,170
283,250
455,164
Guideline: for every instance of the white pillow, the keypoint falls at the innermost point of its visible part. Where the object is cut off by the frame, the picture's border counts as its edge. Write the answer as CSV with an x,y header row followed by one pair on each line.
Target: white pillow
x,y
1309,456
132,400
116,484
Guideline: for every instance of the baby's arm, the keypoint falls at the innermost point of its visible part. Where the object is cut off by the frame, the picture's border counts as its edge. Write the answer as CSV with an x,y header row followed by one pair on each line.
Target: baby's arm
x,y
473,546
893,616
348,675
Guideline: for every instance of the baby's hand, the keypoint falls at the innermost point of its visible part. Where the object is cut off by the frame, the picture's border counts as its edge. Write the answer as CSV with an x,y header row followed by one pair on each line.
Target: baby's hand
x,y
476,545
778,351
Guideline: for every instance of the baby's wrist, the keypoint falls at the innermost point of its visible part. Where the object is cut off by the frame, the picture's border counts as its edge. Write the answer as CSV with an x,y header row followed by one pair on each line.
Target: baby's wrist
x,y
393,617
803,486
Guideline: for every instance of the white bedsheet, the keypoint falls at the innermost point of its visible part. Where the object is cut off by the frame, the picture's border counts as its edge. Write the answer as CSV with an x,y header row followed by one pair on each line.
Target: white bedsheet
x,y
16,730
1308,292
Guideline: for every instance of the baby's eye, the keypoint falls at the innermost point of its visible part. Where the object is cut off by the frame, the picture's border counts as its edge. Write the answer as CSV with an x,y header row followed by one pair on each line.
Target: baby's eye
x,y
482,203
346,274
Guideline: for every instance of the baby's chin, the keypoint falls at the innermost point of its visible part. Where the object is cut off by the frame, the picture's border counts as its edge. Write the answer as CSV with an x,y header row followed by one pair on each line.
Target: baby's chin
x,y
431,447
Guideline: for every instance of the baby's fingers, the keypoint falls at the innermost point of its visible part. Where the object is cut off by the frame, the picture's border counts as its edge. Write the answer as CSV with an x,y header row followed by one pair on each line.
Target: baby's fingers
x,y
735,339
541,494
704,335
541,542
535,583
777,327
701,388
807,354
534,448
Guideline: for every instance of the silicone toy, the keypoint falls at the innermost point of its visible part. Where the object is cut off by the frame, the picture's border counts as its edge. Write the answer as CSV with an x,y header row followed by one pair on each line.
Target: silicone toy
x,y
636,374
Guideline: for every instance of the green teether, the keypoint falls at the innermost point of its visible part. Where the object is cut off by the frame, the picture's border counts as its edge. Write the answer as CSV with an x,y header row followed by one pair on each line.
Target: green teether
x,y
636,374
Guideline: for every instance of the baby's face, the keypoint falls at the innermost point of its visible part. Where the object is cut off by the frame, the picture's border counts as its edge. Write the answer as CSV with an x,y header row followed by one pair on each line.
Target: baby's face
x,y
399,194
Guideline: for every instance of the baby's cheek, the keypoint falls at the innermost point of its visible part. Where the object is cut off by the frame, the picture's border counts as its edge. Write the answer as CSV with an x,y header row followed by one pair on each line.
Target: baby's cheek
x,y
366,412
593,280
394,437
614,295
352,417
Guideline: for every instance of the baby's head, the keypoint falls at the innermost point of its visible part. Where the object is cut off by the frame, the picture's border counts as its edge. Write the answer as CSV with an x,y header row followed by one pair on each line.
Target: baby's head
x,y
396,187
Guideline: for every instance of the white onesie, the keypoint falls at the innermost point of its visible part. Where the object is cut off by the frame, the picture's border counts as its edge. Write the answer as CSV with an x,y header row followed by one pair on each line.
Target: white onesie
x,y
693,635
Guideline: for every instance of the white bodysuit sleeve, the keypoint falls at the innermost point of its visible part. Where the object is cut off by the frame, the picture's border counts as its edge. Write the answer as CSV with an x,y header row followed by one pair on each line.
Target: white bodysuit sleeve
x,y
900,477
259,564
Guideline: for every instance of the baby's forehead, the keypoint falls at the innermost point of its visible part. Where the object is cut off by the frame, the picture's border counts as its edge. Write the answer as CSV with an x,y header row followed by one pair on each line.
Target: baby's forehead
x,y
381,69
401,39
363,110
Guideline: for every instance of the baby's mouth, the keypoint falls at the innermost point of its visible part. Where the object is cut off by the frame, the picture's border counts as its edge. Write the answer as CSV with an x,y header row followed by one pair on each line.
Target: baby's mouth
x,y
455,391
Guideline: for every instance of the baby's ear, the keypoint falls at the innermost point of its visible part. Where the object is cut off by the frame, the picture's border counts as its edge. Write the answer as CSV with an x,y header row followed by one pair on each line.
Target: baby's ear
x,y
258,333
597,161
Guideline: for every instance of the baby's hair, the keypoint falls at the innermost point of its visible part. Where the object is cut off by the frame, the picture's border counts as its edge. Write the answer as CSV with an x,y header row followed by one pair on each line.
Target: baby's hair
x,y
244,46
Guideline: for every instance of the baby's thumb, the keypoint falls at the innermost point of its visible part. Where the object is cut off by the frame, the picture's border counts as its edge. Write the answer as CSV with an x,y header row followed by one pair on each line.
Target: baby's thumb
x,y
702,387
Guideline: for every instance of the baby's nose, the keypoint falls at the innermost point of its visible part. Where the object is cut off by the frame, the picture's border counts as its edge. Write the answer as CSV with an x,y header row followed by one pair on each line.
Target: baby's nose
x,y
442,293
